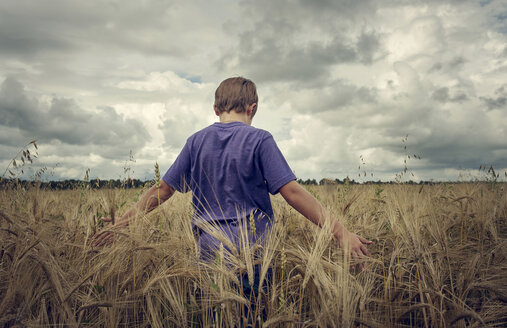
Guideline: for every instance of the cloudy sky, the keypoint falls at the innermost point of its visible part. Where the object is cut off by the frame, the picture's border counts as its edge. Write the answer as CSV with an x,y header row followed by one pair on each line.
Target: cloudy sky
x,y
341,83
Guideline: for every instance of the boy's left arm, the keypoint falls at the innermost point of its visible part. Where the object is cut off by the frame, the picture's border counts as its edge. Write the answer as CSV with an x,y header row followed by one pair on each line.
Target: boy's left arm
x,y
301,200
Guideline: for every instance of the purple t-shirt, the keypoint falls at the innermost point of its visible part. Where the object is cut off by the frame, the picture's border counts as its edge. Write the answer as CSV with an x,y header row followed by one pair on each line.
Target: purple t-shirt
x,y
230,168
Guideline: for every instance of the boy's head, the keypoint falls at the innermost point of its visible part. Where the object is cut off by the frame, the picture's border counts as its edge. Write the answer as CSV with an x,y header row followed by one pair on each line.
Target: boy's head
x,y
235,93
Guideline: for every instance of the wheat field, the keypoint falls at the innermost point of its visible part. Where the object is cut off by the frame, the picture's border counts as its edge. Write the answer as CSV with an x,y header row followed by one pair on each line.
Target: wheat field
x,y
438,260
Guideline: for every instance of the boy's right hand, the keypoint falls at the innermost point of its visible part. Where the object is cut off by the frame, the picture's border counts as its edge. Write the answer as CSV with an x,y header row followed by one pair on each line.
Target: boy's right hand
x,y
106,235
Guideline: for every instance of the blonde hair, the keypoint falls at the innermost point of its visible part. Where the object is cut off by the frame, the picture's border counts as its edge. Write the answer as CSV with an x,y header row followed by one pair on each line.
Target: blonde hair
x,y
235,93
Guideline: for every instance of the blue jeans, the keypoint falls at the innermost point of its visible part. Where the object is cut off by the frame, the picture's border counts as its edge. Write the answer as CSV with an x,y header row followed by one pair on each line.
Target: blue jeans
x,y
251,292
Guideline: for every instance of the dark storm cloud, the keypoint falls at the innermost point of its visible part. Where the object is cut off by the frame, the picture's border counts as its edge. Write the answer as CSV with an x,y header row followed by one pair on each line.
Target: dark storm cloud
x,y
335,96
80,45
466,146
443,95
454,64
498,101
444,138
457,62
33,27
64,121
272,61
300,41
28,45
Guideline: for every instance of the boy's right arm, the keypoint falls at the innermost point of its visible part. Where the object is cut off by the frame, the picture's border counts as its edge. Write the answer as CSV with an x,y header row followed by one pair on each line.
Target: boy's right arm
x,y
301,200
149,201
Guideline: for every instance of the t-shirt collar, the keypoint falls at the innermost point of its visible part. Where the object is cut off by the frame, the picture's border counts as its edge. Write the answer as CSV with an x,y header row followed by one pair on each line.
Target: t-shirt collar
x,y
229,124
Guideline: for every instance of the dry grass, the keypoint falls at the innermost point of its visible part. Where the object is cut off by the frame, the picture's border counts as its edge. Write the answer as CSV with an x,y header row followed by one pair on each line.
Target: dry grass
x,y
439,260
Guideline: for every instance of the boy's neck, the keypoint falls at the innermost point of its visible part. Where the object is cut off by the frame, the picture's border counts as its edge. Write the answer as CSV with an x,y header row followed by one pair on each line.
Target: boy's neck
x,y
233,116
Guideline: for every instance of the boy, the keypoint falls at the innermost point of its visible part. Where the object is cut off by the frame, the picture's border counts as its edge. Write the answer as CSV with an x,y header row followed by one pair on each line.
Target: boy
x,y
231,167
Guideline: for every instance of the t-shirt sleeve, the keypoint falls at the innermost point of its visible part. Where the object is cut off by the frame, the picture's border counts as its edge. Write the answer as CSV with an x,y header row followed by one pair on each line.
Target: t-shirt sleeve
x,y
178,175
276,171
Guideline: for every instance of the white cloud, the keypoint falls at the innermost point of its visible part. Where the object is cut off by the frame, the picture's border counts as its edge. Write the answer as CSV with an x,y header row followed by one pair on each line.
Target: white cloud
x,y
157,81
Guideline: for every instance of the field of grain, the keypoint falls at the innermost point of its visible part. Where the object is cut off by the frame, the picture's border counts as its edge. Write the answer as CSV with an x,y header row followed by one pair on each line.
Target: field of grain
x,y
438,260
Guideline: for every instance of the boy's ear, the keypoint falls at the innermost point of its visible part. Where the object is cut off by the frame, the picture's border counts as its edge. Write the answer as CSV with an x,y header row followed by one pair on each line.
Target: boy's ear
x,y
217,113
251,109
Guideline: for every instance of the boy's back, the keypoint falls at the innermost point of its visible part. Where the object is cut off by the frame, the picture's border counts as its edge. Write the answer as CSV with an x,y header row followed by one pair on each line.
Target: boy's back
x,y
230,168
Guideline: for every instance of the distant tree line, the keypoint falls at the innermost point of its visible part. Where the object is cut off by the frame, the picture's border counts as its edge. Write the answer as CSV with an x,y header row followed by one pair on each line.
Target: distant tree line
x,y
326,181
75,184
136,183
